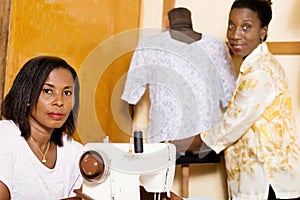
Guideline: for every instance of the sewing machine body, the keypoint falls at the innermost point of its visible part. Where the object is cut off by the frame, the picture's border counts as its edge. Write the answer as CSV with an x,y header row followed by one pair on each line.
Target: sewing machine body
x,y
154,169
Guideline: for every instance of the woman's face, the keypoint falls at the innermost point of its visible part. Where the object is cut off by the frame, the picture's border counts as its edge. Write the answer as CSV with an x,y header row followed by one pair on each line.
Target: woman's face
x,y
55,101
244,31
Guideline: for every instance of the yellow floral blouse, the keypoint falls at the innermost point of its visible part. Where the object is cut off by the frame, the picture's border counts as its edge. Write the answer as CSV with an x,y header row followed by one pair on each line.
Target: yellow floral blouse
x,y
258,133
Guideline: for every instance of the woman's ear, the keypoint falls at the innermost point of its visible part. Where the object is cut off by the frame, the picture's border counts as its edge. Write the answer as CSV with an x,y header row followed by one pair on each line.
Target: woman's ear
x,y
264,33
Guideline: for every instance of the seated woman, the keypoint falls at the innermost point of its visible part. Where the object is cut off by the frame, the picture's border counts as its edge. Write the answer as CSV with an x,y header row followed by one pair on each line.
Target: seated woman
x,y
39,159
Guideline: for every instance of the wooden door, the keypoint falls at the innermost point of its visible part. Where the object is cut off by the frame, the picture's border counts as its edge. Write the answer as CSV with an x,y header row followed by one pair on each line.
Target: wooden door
x,y
74,30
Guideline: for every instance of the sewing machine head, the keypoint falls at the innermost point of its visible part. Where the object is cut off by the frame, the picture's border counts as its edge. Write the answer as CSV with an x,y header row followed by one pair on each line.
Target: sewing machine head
x,y
113,171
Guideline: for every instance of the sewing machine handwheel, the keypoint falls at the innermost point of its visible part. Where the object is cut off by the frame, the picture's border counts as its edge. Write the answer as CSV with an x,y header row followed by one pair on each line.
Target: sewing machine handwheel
x,y
93,166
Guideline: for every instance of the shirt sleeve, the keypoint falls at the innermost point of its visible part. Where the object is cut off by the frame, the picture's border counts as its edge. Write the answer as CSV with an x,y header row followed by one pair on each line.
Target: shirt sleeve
x,y
7,155
227,74
254,93
136,79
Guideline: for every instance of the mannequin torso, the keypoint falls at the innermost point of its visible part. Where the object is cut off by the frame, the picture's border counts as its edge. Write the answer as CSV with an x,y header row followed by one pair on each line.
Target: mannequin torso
x,y
181,27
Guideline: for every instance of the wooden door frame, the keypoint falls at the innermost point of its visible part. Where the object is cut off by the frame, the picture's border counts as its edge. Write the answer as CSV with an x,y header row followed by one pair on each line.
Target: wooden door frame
x,y
5,10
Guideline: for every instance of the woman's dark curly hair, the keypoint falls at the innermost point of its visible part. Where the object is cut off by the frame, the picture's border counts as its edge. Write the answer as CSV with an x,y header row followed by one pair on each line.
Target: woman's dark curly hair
x,y
25,91
261,7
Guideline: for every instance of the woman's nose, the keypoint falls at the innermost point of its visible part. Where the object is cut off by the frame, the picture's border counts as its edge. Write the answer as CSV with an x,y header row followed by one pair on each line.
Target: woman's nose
x,y
235,34
58,100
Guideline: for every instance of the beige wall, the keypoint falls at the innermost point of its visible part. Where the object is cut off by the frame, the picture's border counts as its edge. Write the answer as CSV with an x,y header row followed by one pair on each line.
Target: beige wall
x,y
210,16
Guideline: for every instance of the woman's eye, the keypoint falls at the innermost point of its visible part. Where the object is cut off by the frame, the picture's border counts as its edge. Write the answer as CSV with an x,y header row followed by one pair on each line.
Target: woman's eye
x,y
68,93
47,91
246,27
230,26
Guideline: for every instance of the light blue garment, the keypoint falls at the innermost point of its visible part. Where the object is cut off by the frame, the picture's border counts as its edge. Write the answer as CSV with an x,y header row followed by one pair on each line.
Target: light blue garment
x,y
187,84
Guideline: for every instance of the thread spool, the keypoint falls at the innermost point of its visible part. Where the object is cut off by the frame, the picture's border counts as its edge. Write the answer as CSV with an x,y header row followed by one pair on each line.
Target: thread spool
x,y
138,142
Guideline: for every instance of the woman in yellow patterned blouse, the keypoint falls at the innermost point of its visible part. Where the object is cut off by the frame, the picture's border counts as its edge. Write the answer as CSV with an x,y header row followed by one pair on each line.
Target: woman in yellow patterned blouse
x,y
258,133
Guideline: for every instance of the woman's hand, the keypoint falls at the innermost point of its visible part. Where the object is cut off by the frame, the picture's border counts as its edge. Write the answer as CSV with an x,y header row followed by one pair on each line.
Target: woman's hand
x,y
192,144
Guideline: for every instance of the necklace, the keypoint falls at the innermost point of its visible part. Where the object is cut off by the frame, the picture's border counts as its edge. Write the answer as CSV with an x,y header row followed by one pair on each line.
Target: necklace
x,y
43,154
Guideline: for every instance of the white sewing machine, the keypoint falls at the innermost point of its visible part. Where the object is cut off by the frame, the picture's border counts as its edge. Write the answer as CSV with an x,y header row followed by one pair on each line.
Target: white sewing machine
x,y
112,171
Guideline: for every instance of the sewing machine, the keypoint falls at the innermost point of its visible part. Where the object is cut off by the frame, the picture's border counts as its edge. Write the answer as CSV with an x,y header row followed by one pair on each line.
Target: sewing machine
x,y
114,171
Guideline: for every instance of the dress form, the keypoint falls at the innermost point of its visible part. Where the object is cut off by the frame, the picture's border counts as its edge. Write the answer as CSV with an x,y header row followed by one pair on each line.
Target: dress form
x,y
181,27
